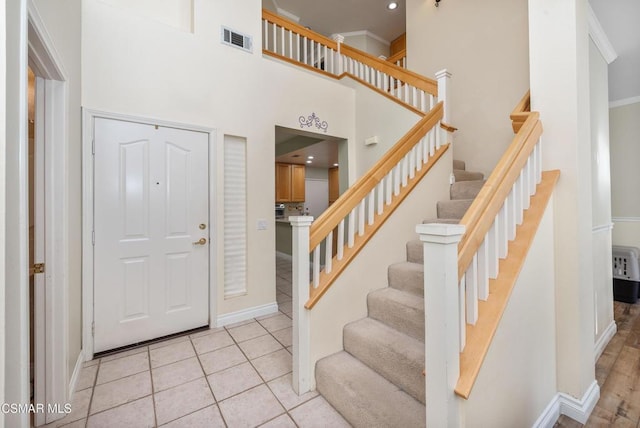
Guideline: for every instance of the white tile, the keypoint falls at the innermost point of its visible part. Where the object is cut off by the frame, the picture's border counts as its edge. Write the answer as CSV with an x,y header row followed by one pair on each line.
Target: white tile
x,y
175,374
282,389
209,417
79,409
168,342
233,381
87,377
317,413
206,332
282,421
285,307
124,354
120,391
221,359
182,400
251,408
247,331
284,336
171,353
122,367
137,414
260,346
90,363
273,365
211,342
276,323
239,323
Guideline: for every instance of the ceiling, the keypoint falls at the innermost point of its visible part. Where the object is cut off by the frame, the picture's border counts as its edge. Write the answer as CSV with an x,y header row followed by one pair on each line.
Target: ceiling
x,y
306,148
618,18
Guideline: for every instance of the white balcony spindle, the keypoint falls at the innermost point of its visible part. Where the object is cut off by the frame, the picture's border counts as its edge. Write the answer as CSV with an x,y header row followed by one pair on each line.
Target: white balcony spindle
x,y
282,40
316,266
380,187
483,270
519,195
340,241
511,203
388,187
396,180
265,41
493,255
328,253
351,233
503,231
371,207
361,214
471,288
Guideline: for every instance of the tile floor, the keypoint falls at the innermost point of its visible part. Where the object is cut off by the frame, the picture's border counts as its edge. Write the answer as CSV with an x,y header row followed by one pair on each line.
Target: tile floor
x,y
618,374
234,376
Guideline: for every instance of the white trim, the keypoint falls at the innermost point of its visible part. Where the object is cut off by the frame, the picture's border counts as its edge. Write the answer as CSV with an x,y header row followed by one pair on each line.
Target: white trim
x,y
364,33
564,404
624,102
602,228
604,339
76,374
599,37
246,314
88,116
626,219
579,410
549,415
43,56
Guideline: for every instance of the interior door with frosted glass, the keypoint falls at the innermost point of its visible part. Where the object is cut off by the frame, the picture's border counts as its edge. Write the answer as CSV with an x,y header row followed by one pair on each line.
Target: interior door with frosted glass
x,y
151,251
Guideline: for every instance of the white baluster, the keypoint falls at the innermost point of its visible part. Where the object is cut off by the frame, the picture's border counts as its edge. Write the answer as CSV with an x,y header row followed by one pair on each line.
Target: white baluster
x,y
275,38
432,140
419,153
290,44
301,332
414,97
316,266
304,50
438,132
462,303
312,54
432,101
526,185
297,46
512,212
425,147
265,37
389,187
471,285
423,101
361,214
483,270
503,231
385,82
519,194
493,253
380,187
405,170
283,38
532,174
328,253
326,58
371,208
539,161
340,243
396,180
352,228
406,92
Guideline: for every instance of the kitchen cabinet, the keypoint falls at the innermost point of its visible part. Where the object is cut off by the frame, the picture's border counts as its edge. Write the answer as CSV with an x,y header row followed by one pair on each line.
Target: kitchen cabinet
x,y
290,183
334,185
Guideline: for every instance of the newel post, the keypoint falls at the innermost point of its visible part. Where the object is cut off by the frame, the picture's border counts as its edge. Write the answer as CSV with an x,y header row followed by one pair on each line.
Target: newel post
x,y
300,285
442,322
339,39
444,92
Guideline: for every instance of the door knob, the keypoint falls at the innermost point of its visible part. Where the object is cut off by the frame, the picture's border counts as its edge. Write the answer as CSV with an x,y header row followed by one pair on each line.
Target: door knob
x,y
200,241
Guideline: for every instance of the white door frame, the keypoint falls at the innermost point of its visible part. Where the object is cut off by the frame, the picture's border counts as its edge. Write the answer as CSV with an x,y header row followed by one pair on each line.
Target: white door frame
x,y
88,117
50,306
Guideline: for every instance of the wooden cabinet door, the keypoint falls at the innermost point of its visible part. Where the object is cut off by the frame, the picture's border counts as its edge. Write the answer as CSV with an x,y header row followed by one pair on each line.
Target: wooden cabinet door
x,y
297,183
283,182
334,185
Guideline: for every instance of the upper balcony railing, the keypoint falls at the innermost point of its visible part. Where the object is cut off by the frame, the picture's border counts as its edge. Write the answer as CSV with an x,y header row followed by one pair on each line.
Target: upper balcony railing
x,y
291,42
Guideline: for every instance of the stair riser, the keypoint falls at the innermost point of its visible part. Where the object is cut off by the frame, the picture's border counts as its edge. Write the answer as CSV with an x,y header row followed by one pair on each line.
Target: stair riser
x,y
396,357
465,189
453,209
404,317
407,277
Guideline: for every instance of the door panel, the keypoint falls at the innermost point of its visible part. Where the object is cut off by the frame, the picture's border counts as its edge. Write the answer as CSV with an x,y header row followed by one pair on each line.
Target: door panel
x,y
151,195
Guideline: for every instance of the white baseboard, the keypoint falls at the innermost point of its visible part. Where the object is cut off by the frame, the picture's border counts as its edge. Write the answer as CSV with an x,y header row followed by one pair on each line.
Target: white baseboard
x,y
76,374
246,314
564,404
604,339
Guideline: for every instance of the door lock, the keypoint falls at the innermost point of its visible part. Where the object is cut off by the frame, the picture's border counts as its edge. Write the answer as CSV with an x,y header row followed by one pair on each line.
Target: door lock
x,y
202,226
201,241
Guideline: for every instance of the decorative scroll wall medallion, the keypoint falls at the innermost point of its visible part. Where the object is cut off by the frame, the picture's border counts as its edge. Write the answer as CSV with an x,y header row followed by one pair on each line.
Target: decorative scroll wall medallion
x,y
312,120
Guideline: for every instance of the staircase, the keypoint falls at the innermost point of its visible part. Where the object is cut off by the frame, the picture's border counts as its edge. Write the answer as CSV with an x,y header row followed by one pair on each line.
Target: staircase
x,y
376,381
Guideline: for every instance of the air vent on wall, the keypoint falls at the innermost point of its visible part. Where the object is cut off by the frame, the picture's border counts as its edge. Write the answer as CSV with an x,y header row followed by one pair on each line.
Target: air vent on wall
x,y
238,40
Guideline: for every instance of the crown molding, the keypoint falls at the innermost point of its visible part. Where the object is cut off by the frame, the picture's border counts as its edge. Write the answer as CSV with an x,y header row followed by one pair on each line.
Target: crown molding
x,y
366,33
624,102
599,37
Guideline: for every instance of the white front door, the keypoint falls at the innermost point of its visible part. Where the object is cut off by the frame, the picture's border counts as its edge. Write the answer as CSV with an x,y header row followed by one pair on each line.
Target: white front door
x,y
151,255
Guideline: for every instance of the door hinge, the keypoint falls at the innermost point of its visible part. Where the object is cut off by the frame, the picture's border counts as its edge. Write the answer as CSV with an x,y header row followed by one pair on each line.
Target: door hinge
x,y
36,268
93,328
93,237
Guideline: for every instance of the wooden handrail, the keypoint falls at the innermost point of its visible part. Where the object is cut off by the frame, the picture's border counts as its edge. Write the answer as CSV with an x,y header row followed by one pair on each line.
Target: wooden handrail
x,y
481,214
521,112
283,22
330,218
428,85
394,58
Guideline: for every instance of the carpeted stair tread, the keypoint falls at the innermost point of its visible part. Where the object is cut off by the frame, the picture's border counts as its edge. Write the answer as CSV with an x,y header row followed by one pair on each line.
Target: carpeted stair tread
x,y
407,276
398,309
458,164
442,220
396,356
462,175
363,397
453,209
465,189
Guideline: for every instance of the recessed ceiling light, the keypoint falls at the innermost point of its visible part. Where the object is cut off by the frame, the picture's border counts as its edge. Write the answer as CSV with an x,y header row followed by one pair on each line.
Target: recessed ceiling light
x,y
309,161
335,164
392,5
309,157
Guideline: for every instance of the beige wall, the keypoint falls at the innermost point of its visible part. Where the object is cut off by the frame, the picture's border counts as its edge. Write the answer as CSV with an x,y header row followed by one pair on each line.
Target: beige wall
x,y
4,32
601,188
518,377
367,42
62,20
484,45
625,174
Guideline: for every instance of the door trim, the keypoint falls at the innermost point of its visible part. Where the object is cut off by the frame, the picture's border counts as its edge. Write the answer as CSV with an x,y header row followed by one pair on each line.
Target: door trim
x,y
51,327
88,117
